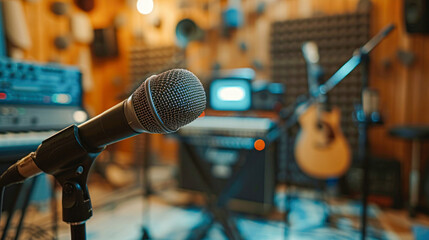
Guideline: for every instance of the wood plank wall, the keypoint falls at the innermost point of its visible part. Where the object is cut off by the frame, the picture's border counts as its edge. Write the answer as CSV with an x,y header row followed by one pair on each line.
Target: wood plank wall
x,y
403,89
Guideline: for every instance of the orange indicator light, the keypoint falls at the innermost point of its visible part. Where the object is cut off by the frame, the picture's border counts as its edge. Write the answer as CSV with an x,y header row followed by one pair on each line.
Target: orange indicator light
x,y
259,145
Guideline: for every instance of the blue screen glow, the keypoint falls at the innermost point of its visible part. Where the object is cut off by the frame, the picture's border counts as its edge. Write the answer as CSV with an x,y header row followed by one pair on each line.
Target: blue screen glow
x,y
230,94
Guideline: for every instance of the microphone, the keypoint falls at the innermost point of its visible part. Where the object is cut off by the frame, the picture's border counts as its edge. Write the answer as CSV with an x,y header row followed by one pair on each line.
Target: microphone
x,y
162,104
310,51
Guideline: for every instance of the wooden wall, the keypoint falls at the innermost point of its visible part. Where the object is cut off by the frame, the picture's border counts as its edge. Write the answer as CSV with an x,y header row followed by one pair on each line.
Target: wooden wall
x,y
403,89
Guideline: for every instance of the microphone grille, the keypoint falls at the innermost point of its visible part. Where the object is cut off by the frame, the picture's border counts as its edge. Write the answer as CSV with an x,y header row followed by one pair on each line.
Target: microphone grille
x,y
177,96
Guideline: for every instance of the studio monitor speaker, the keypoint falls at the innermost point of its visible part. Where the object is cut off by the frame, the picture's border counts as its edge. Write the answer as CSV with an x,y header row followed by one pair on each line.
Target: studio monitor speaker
x,y
187,31
416,16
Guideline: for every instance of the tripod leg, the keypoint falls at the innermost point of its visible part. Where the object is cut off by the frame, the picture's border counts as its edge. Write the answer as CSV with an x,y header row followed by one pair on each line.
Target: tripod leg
x,y
200,231
54,210
12,211
229,226
26,203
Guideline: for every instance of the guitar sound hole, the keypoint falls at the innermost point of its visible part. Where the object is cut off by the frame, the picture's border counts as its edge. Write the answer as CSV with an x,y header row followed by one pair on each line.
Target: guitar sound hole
x,y
327,133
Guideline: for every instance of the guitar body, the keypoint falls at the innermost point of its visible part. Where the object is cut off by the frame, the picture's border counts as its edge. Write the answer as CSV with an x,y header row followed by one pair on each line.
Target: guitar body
x,y
321,150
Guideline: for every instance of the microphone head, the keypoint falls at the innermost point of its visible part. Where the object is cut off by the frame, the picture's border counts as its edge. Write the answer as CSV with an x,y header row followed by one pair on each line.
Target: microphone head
x,y
310,51
168,101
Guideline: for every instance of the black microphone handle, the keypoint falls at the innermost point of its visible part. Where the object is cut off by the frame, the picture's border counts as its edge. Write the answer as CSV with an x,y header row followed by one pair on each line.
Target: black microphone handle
x,y
106,128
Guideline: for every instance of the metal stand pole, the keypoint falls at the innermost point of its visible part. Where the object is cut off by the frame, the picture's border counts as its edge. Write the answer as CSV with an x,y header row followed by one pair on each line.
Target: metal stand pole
x,y
78,231
364,121
147,190
288,181
363,156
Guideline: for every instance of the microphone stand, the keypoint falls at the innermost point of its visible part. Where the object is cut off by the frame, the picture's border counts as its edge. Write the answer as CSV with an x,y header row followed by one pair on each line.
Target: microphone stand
x,y
72,175
364,121
360,56
143,140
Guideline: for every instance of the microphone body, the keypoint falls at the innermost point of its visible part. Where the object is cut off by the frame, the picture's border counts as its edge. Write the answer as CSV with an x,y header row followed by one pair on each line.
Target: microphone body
x,y
108,127
162,104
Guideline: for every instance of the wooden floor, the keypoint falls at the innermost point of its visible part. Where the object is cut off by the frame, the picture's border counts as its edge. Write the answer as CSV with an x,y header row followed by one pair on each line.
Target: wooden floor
x,y
118,214
398,222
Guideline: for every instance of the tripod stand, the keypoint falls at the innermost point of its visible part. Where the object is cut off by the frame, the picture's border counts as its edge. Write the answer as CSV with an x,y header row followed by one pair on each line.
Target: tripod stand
x,y
216,205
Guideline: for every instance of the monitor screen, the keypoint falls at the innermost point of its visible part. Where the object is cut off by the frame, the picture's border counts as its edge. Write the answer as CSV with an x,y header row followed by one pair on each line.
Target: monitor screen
x,y
230,94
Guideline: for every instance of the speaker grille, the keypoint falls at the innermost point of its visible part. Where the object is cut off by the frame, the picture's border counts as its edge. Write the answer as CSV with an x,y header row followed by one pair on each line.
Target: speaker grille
x,y
178,97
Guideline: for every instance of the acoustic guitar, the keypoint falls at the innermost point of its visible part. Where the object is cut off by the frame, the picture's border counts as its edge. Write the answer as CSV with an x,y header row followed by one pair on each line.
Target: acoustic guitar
x,y
321,150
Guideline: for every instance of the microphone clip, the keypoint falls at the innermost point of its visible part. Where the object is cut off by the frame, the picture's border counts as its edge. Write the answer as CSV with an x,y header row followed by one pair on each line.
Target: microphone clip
x,y
72,173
